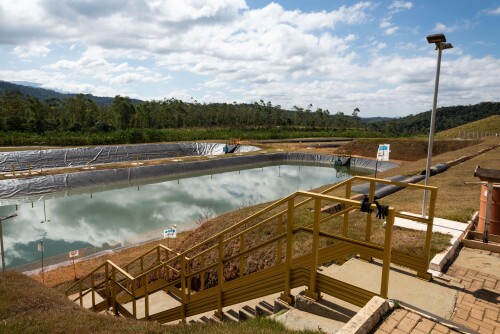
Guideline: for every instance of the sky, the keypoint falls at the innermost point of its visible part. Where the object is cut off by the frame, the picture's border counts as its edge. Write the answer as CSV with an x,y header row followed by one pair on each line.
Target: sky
x,y
336,55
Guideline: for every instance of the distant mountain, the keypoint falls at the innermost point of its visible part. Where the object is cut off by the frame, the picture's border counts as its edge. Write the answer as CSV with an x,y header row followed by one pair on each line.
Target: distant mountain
x,y
42,93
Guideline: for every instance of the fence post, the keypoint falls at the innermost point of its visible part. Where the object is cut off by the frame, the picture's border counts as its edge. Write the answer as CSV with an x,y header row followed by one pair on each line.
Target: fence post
x,y
158,259
146,297
371,197
202,264
220,278
81,296
242,257
345,227
183,289
280,242
311,292
286,295
134,305
113,289
386,266
106,284
93,290
428,233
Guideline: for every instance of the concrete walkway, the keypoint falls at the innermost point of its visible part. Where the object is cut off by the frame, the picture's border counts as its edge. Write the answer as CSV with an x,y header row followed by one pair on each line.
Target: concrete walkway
x,y
435,298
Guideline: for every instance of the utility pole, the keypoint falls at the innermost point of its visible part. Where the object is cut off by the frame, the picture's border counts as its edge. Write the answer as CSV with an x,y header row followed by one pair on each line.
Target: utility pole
x,y
12,215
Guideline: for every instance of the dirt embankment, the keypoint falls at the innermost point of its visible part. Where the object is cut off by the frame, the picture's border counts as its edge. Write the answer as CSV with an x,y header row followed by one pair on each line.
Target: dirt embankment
x,y
404,149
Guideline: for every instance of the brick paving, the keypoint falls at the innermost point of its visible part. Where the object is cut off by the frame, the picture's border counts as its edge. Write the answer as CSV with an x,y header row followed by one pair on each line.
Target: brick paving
x,y
478,304
403,321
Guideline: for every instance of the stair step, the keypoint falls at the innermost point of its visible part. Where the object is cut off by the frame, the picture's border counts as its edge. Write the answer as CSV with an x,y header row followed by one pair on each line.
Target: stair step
x,y
264,309
230,316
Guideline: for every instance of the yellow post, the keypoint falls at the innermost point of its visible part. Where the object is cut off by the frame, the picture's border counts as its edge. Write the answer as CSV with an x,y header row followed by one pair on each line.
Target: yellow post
x,y
428,235
13,170
345,228
202,264
242,257
134,305
311,292
106,271
371,197
286,295
81,296
386,266
220,278
113,290
146,297
188,271
183,288
93,290
29,168
158,259
280,242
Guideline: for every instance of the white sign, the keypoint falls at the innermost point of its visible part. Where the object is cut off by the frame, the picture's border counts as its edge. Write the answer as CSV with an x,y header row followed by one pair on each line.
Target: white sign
x,y
170,233
40,246
383,152
74,253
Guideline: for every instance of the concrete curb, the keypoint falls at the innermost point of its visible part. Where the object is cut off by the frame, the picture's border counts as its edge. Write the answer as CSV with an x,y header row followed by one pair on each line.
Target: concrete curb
x,y
367,318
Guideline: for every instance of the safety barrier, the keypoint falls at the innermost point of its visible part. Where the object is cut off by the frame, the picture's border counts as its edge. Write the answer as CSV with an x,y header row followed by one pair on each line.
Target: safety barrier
x,y
296,235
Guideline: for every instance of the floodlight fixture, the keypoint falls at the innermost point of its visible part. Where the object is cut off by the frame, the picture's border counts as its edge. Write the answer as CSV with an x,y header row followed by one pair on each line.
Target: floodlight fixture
x,y
436,38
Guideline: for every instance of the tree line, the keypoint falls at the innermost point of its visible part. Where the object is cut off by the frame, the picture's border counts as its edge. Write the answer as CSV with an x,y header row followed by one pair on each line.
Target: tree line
x,y
80,113
132,121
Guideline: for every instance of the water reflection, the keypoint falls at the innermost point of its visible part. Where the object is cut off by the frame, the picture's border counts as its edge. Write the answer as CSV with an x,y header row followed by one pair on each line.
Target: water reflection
x,y
106,217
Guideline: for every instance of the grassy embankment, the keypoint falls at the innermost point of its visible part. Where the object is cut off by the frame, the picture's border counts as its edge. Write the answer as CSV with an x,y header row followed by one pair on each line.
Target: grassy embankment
x,y
28,307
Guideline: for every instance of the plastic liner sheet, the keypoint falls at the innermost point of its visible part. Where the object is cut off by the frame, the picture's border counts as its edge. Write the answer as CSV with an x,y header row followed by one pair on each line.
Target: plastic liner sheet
x,y
15,191
81,156
380,166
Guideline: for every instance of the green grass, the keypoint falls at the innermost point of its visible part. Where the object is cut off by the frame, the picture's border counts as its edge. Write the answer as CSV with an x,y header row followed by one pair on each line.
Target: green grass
x,y
487,125
135,136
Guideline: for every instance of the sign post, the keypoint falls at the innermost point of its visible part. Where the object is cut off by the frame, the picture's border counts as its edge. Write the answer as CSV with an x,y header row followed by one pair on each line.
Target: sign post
x,y
382,155
41,249
72,256
170,233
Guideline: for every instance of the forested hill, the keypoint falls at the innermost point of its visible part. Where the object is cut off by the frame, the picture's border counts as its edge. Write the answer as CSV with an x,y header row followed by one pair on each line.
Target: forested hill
x,y
36,110
43,94
446,118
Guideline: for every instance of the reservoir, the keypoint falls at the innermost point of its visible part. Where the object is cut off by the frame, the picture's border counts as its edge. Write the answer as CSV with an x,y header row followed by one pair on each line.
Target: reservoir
x,y
141,212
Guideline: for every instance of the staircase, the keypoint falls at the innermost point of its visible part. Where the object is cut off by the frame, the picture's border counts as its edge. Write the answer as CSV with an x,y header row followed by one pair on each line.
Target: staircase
x,y
296,238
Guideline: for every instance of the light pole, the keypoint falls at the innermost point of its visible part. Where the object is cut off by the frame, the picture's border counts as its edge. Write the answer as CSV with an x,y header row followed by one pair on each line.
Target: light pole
x,y
440,41
12,215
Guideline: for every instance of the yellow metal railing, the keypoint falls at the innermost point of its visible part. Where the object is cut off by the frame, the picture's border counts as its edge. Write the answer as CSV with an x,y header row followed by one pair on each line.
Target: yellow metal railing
x,y
294,235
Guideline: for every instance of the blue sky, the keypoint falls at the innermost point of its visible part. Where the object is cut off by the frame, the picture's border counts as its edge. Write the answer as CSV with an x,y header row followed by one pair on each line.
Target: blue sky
x,y
335,55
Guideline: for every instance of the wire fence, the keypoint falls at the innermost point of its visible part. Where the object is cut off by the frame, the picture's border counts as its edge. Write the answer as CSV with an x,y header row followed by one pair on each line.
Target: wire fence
x,y
88,252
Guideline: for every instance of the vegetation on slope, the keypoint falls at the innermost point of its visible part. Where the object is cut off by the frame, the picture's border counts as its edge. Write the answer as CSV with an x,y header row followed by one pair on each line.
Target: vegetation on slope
x,y
489,126
80,120
26,306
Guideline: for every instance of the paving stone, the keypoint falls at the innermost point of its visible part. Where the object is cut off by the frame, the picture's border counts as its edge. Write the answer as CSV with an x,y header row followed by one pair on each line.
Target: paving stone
x,y
477,314
425,325
407,325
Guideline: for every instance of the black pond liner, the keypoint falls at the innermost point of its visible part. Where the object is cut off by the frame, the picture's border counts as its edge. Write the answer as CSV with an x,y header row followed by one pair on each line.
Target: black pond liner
x,y
13,191
81,156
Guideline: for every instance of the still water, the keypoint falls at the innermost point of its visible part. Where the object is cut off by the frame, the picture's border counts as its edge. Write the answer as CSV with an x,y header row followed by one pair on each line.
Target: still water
x,y
75,222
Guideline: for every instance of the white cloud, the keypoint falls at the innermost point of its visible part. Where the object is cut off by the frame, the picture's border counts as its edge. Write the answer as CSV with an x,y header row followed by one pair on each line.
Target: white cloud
x,y
495,11
391,30
399,5
440,27
31,50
